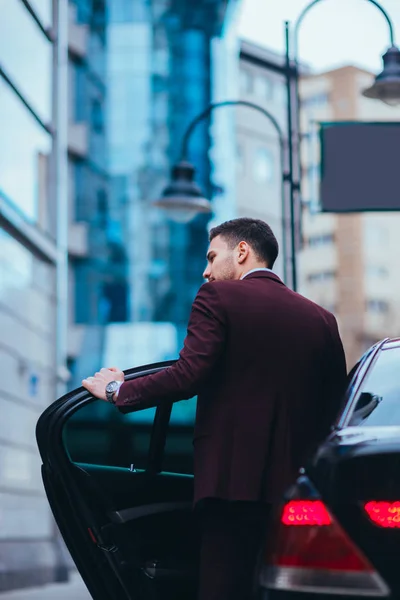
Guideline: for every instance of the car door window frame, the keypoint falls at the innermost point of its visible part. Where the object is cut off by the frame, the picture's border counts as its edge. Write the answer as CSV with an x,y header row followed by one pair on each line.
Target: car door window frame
x,y
366,363
64,408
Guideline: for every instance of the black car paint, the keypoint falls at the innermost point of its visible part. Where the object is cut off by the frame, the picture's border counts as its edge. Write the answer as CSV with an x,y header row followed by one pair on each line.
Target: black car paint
x,y
84,496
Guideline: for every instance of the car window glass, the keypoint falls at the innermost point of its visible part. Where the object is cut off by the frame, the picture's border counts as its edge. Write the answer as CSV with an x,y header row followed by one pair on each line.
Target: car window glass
x,y
378,402
99,434
178,453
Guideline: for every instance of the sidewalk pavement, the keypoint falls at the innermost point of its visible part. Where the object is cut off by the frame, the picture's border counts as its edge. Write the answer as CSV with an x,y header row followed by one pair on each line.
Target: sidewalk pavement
x,y
74,589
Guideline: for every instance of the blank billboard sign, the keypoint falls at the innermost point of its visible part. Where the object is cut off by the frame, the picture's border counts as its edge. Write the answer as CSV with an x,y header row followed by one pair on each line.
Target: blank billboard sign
x,y
360,166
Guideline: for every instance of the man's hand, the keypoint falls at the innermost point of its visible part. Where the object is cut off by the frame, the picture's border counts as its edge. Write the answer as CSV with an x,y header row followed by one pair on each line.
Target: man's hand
x,y
97,385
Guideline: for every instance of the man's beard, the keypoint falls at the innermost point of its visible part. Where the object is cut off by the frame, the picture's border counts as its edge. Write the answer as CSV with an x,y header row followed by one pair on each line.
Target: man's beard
x,y
227,272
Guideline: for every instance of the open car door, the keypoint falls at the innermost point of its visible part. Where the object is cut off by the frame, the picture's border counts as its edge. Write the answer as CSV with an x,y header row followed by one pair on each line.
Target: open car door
x,y
121,488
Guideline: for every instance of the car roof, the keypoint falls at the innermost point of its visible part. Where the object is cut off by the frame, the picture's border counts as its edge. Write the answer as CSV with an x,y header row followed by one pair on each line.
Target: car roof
x,y
391,343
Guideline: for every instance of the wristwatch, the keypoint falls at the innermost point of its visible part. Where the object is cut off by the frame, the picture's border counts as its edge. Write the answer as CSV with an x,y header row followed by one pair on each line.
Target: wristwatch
x,y
111,388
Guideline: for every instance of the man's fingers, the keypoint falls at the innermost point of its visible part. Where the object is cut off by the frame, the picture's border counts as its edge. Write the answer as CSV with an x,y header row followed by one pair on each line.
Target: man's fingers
x,y
114,369
95,386
86,384
89,385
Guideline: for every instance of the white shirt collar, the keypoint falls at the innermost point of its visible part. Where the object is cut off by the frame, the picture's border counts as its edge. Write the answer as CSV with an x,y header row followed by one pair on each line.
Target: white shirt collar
x,y
255,270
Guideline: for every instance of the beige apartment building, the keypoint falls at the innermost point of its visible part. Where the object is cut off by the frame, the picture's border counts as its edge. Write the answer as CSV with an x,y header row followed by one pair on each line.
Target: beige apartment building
x,y
349,263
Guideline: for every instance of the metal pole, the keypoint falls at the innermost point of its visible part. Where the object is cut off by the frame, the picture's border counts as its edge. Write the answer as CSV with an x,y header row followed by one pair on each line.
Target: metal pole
x,y
284,203
293,121
286,175
314,2
294,186
60,187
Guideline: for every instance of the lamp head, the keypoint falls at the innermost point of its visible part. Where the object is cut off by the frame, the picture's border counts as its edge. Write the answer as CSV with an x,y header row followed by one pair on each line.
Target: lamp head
x,y
386,86
182,198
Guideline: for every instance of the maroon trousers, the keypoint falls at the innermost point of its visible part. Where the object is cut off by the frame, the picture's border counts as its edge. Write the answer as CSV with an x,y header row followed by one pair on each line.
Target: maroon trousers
x,y
232,537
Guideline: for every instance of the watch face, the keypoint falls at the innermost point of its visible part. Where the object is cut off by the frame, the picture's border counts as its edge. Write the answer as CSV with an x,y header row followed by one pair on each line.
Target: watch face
x,y
112,386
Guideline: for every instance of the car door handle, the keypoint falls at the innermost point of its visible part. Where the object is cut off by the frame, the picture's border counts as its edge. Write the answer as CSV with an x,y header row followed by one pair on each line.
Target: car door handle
x,y
137,512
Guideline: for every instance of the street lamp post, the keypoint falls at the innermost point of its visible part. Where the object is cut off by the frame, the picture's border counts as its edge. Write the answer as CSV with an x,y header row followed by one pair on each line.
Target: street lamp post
x,y
385,88
183,199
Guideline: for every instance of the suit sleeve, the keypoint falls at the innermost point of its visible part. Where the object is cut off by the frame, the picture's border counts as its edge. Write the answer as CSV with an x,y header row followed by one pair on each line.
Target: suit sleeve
x,y
204,343
335,375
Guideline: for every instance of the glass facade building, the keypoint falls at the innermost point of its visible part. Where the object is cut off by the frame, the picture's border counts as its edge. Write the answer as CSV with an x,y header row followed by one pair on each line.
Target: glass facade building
x,y
88,182
27,288
160,76
97,258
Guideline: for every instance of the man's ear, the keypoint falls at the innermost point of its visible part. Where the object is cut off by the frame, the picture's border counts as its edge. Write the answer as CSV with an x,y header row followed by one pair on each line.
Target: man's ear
x,y
243,252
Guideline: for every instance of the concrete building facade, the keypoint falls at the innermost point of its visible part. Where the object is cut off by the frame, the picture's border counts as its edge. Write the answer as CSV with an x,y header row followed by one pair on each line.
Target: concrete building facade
x,y
348,262
30,84
28,545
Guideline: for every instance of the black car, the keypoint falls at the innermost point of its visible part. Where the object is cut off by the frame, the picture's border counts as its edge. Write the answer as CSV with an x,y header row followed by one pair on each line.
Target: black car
x,y
337,533
121,488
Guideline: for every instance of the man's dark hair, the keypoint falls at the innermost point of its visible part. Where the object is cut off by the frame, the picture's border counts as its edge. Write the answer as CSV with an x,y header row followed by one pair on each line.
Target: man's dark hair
x,y
255,232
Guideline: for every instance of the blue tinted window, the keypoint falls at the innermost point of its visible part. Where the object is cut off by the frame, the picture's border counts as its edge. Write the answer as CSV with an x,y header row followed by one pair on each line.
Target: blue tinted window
x,y
83,10
122,11
97,116
379,400
27,286
26,56
24,151
43,9
80,81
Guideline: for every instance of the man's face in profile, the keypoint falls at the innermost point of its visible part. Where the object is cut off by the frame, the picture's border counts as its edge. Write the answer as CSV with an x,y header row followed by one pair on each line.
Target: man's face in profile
x,y
221,264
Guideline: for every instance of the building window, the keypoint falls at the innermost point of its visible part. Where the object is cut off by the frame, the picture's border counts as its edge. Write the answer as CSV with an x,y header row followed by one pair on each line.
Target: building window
x,y
246,81
263,166
375,234
379,307
43,9
263,88
31,77
97,116
24,144
316,241
102,207
376,271
315,101
280,93
321,277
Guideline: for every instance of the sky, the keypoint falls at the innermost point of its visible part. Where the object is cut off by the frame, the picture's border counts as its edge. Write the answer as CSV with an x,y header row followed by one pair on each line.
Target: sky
x,y
333,33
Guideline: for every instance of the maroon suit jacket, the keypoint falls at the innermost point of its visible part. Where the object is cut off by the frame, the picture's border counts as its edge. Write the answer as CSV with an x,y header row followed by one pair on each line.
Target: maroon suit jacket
x,y
269,370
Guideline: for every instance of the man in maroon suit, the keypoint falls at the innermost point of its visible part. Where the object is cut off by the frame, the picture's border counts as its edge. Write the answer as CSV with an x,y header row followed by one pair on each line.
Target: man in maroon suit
x,y
269,370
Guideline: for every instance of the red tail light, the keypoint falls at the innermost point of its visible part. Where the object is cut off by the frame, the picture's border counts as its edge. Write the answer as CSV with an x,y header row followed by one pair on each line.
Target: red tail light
x,y
310,552
305,512
384,514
